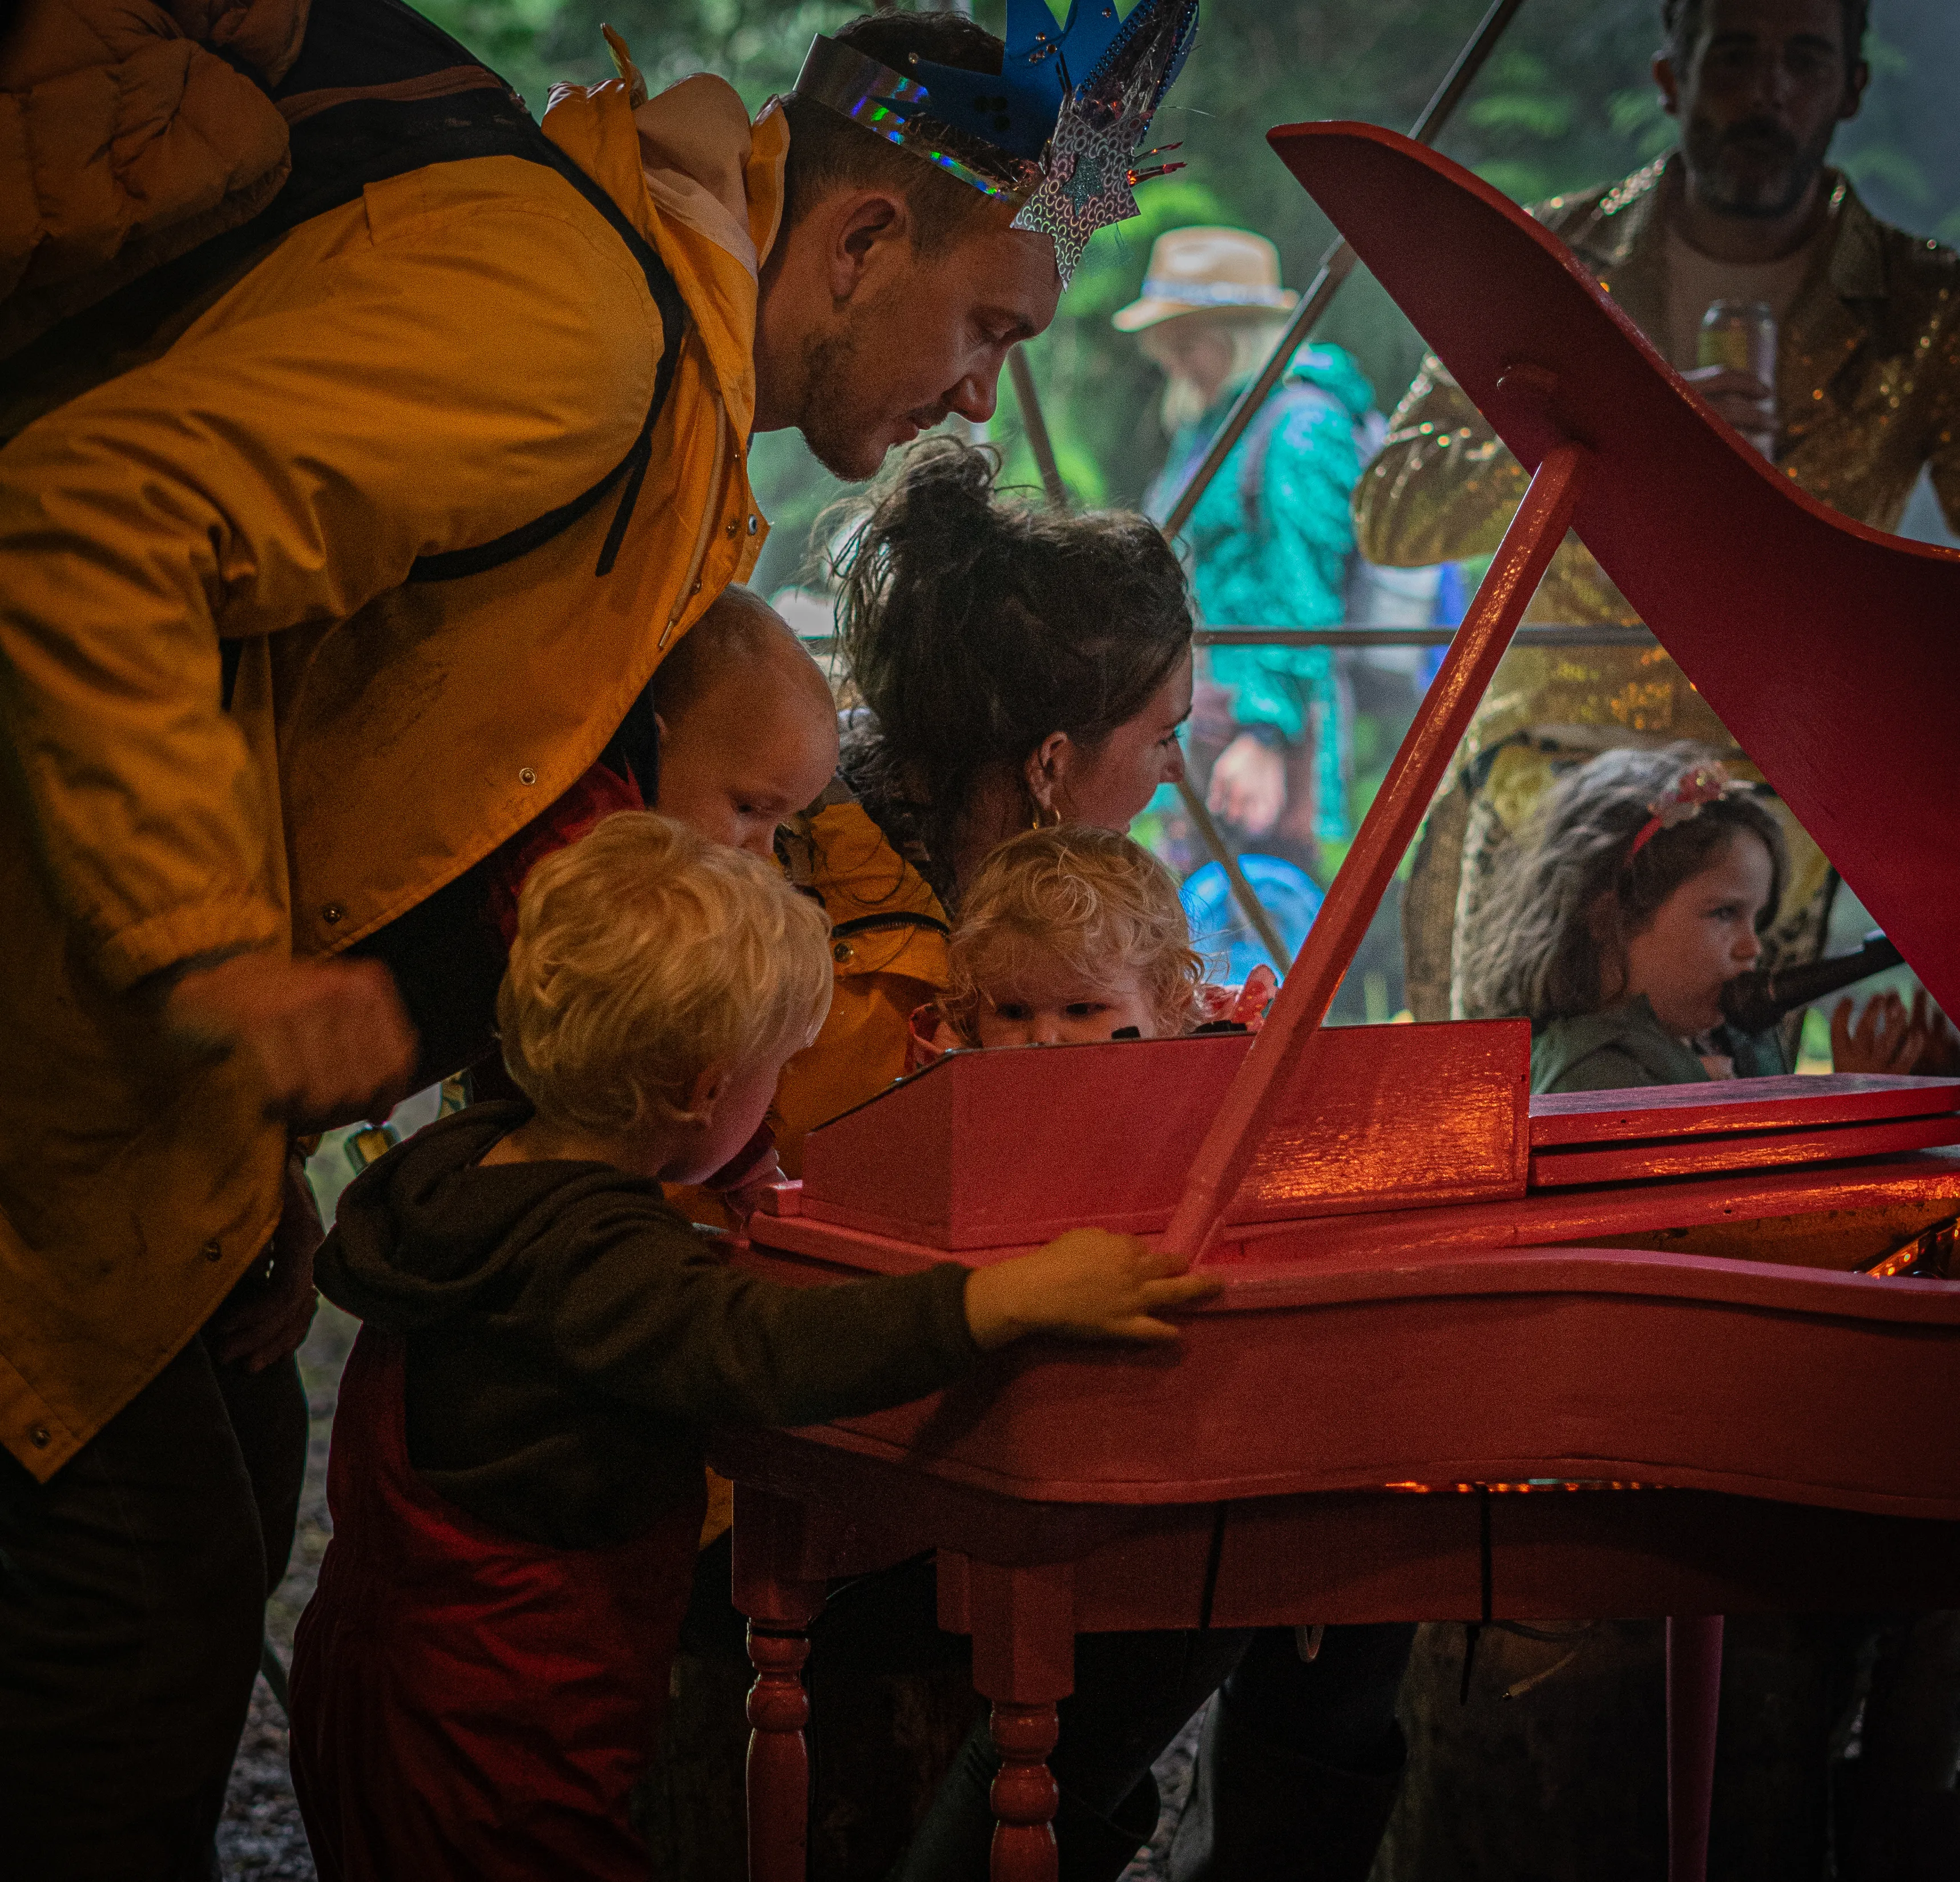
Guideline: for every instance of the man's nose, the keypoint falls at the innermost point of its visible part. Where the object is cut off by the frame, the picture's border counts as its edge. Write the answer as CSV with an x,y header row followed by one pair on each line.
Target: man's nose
x,y
1748,947
760,842
1769,83
1045,1029
976,396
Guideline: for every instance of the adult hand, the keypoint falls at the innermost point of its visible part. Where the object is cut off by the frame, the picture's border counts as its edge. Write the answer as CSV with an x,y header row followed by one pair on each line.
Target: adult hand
x,y
1087,1285
1885,1039
1249,785
329,1040
263,1325
1940,1054
1740,398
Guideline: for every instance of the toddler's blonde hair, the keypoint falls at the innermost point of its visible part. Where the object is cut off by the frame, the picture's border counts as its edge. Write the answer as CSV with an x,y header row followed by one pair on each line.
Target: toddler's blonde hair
x,y
645,955
1091,898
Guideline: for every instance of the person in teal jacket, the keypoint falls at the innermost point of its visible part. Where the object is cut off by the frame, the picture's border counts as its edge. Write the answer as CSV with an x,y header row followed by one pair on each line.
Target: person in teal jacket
x,y
1271,540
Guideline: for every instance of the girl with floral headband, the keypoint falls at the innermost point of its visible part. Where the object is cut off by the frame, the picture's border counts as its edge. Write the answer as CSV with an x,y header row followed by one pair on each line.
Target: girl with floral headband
x,y
1643,885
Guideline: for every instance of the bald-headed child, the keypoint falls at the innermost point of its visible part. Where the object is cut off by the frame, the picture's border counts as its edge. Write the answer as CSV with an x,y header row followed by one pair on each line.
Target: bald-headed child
x,y
515,1479
734,735
747,725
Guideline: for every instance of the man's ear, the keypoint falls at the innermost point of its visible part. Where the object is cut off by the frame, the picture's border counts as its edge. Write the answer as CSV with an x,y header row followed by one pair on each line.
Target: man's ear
x,y
1045,770
871,220
1666,78
1855,81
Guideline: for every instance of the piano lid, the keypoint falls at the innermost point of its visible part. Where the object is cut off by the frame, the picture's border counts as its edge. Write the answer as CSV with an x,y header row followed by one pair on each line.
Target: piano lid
x,y
1831,650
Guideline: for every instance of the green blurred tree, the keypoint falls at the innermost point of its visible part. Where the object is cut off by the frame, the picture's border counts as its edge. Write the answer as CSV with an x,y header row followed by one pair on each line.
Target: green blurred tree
x,y
1565,104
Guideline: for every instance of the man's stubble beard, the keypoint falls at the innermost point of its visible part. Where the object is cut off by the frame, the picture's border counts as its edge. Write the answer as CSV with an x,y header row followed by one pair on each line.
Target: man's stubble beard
x,y
1702,147
833,421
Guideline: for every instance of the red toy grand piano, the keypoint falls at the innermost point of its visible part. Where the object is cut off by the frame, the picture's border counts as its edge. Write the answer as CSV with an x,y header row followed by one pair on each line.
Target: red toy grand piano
x,y
1646,1307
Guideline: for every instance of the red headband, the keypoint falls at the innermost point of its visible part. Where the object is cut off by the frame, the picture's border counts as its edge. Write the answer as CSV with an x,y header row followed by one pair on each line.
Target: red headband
x,y
1699,784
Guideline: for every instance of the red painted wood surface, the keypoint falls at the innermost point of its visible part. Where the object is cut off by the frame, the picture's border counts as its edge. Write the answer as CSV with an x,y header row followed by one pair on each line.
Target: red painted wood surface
x,y
1741,1104
1458,1364
1258,1095
988,1148
1378,1554
1827,648
1636,1160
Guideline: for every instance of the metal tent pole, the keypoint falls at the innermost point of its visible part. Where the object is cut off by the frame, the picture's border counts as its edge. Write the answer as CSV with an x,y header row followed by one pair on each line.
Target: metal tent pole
x,y
1035,425
1335,266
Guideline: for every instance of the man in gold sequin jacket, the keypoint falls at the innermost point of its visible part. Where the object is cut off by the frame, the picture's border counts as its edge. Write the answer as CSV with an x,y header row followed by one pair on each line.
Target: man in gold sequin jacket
x,y
1867,393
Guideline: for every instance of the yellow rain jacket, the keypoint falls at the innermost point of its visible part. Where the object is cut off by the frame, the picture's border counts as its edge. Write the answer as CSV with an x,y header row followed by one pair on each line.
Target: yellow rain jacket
x,y
888,939
462,350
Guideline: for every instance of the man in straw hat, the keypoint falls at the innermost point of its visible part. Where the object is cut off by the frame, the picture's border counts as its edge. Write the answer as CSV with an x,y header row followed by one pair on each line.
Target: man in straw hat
x,y
1270,541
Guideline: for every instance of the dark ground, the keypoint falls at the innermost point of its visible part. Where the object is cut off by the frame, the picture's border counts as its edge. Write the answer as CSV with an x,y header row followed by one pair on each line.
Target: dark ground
x,y
261,1839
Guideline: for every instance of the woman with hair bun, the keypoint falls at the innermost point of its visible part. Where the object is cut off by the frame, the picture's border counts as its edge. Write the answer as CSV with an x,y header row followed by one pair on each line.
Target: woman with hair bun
x,y
1015,668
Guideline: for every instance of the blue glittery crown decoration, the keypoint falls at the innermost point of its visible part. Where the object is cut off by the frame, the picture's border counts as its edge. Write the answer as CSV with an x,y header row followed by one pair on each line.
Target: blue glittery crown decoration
x,y
1061,123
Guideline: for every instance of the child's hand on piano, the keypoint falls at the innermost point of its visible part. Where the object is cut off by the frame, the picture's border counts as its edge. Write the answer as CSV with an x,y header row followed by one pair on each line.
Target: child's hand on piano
x,y
1087,1285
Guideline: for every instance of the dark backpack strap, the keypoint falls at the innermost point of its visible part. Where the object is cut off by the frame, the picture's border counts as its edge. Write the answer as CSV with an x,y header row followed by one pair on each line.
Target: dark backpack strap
x,y
454,563
376,91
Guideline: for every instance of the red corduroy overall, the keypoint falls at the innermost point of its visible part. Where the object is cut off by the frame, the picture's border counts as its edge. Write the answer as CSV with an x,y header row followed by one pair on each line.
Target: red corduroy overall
x,y
465,1704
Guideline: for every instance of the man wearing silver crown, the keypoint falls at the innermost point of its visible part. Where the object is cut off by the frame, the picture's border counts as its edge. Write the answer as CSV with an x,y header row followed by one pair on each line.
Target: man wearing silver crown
x,y
473,507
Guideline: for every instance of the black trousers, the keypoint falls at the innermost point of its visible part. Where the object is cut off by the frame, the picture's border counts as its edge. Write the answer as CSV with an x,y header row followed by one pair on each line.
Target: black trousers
x,y
132,1594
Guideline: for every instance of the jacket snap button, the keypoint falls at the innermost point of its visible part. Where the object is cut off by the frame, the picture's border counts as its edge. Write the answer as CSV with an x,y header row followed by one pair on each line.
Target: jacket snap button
x,y
527,776
213,1250
41,1437
754,523
696,589
731,525
331,912
841,951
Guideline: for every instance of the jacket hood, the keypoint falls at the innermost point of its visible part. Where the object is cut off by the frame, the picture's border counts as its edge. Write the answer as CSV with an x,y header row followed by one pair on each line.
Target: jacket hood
x,y
1332,369
426,1234
704,185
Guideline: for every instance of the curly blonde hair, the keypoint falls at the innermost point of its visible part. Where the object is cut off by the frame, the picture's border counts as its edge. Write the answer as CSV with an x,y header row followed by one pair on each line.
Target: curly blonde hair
x,y
1091,898
645,954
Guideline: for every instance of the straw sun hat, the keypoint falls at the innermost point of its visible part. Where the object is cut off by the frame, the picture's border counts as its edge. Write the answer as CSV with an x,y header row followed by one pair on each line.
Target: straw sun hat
x,y
1228,272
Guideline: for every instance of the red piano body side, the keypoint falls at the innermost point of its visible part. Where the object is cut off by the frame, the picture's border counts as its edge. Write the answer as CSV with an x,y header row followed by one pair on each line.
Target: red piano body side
x,y
1429,1284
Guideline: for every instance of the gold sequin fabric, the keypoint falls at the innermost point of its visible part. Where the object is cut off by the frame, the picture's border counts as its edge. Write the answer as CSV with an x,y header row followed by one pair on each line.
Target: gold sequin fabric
x,y
1868,385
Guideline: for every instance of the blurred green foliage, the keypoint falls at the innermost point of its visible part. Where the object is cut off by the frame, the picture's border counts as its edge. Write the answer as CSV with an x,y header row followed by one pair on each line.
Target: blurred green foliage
x,y
1565,104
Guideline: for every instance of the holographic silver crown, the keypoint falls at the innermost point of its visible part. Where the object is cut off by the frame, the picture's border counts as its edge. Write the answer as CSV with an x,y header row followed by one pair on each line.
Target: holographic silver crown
x,y
1057,130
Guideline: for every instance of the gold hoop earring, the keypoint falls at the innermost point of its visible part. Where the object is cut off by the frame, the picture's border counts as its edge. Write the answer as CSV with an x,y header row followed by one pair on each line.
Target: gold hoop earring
x,y
1045,818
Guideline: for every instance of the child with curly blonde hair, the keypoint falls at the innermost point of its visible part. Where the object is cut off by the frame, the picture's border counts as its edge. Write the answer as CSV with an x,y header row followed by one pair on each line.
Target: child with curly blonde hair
x,y
516,1479
1071,934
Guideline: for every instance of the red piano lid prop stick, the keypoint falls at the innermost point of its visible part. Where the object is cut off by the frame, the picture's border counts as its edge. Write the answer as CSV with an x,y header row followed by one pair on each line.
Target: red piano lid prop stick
x,y
1827,648
1387,830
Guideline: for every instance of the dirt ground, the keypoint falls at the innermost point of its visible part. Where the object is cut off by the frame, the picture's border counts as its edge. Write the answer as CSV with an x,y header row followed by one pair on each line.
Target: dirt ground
x,y
261,1839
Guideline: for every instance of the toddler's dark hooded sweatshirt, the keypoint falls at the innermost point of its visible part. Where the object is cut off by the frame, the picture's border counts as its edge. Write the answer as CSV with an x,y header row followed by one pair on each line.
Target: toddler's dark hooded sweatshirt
x,y
571,1337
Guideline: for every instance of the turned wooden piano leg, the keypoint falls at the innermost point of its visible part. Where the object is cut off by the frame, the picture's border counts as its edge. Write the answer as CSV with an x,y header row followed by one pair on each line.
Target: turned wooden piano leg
x,y
771,1545
1022,1622
1694,1699
1024,1794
